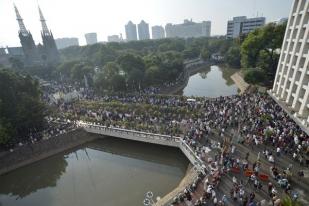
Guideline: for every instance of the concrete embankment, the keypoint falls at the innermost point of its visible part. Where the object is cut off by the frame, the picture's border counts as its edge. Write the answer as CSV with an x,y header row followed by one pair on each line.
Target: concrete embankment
x,y
28,154
185,182
240,82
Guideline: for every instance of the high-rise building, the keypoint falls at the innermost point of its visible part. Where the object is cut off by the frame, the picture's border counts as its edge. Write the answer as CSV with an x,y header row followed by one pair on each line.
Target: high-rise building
x,y
282,21
188,29
143,30
158,32
114,38
241,25
91,38
131,33
66,42
291,85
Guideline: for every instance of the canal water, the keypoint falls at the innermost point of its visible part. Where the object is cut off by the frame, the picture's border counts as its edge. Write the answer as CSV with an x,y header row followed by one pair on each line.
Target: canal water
x,y
211,81
107,172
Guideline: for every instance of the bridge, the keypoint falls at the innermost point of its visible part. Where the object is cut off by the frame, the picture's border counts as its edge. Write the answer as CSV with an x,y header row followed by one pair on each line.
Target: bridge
x,y
152,138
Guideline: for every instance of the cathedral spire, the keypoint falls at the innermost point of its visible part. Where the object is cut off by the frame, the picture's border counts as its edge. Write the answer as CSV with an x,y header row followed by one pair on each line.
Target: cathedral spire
x,y
22,27
45,30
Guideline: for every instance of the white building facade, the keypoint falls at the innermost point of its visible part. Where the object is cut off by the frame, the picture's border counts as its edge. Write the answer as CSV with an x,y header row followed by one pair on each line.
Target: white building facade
x,y
131,33
143,30
158,32
241,25
66,42
114,38
91,38
291,85
188,29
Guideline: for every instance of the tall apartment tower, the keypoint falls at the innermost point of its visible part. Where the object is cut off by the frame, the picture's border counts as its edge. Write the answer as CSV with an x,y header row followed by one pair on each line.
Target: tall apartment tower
x,y
188,29
131,33
241,25
158,32
291,85
91,38
143,30
66,42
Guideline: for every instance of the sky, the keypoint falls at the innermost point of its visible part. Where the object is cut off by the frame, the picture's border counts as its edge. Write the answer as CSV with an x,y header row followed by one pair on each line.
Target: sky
x,y
74,18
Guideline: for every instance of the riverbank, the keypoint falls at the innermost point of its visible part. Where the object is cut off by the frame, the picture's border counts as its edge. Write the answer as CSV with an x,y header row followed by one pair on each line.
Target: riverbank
x,y
240,82
28,154
185,182
189,70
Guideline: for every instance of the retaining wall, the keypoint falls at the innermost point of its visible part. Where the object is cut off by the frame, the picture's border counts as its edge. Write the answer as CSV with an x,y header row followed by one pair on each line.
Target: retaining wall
x,y
28,154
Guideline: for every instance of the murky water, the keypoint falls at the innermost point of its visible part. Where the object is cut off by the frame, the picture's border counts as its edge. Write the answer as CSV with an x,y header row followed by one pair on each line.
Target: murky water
x,y
107,172
211,81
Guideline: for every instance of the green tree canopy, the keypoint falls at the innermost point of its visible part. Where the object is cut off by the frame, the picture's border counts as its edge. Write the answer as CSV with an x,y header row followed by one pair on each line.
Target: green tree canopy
x,y
232,57
21,110
261,48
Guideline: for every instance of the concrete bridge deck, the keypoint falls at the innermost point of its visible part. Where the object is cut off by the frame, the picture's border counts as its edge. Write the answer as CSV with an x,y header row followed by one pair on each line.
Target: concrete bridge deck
x,y
152,138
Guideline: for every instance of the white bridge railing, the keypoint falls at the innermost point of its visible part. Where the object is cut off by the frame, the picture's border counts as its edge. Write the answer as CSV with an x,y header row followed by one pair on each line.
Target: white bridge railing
x,y
165,140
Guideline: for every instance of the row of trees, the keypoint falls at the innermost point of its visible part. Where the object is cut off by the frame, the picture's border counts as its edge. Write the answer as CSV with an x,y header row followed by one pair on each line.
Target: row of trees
x,y
136,64
128,72
21,108
101,54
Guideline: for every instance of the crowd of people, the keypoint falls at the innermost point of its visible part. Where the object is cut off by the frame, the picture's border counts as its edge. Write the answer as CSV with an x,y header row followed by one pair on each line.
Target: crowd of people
x,y
254,119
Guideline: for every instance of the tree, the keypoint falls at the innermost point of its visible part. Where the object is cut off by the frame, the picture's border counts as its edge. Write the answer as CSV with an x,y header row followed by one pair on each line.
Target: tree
x,y
110,78
233,56
129,62
111,69
101,83
65,68
172,45
152,75
254,76
118,83
152,60
261,48
133,67
4,134
21,108
250,49
104,55
80,70
191,52
135,78
205,54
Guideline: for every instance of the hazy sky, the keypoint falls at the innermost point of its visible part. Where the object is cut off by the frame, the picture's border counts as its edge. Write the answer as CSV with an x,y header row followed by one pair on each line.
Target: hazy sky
x,y
73,18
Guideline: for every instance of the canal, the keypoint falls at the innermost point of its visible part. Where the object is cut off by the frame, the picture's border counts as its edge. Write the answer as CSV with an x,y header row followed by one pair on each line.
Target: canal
x,y
109,172
211,81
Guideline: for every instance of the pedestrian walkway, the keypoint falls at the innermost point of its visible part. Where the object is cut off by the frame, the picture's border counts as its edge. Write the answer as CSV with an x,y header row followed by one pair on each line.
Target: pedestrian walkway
x,y
240,82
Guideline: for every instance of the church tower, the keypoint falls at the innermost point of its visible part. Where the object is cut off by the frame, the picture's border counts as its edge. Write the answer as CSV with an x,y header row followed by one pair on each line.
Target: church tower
x,y
49,53
27,42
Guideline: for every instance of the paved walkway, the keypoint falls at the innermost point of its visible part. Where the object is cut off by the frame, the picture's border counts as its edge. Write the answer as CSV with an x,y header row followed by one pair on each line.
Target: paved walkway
x,y
226,183
240,82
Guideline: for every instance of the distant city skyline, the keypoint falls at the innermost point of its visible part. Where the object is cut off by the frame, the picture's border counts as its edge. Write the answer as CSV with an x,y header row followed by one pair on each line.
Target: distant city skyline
x,y
69,18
